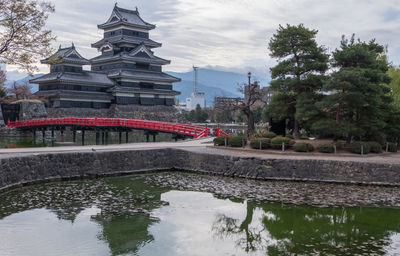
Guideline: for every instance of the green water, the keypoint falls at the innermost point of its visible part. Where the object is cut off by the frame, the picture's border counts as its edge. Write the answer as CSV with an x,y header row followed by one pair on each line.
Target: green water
x,y
131,215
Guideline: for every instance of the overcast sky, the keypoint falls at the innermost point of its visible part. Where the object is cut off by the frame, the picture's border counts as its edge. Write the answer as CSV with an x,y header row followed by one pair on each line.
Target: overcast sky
x,y
229,34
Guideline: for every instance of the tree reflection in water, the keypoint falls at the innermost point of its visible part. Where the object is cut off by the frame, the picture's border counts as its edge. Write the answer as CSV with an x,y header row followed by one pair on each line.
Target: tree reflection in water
x,y
299,230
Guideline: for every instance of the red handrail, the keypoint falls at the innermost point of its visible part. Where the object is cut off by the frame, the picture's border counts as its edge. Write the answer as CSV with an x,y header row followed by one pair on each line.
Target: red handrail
x,y
185,129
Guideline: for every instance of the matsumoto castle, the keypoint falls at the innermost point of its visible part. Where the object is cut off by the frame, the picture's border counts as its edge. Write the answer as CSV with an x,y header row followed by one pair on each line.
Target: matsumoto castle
x,y
126,72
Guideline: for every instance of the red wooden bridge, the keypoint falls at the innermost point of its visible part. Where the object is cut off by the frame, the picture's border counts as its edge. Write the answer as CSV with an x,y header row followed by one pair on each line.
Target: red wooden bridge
x,y
115,124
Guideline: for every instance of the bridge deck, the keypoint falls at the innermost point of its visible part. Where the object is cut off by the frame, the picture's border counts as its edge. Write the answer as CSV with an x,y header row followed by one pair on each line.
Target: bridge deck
x,y
194,131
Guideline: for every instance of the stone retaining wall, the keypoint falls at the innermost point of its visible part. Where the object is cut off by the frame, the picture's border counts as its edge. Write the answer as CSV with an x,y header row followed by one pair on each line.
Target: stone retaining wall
x,y
34,168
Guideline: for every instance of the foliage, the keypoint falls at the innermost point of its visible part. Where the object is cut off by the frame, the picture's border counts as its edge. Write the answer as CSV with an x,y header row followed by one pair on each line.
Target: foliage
x,y
375,147
357,100
392,147
237,141
355,147
198,115
220,141
394,74
303,147
325,148
263,133
224,115
270,135
290,136
298,76
277,142
264,142
23,38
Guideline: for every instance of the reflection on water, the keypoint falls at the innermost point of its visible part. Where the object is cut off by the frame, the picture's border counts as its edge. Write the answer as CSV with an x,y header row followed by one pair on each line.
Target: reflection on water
x,y
126,216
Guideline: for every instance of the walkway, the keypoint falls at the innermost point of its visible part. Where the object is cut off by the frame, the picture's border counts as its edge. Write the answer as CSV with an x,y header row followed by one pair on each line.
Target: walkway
x,y
203,146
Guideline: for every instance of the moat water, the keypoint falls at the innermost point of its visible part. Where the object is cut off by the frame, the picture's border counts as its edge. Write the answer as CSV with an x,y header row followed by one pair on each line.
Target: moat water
x,y
164,214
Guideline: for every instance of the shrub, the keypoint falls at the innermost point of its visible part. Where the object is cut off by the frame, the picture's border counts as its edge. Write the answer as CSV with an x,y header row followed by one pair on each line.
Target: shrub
x,y
220,141
290,136
339,144
237,141
355,147
304,137
255,143
277,142
392,147
303,147
270,135
375,147
325,148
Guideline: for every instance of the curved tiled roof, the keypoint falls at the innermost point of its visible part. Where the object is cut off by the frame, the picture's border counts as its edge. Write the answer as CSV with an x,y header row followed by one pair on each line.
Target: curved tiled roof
x,y
85,77
144,75
66,55
126,39
126,17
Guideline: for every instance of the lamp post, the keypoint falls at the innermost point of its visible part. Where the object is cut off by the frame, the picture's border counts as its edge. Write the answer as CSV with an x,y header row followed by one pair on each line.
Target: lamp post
x,y
249,76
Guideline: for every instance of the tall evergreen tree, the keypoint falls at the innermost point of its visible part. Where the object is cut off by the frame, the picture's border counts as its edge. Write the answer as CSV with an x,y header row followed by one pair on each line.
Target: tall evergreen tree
x,y
298,77
358,100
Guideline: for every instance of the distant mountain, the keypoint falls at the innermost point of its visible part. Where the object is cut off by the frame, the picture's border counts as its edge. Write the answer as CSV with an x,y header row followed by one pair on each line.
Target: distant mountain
x,y
211,82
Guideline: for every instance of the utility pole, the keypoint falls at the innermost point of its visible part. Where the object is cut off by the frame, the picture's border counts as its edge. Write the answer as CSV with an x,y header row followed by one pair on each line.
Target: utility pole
x,y
195,89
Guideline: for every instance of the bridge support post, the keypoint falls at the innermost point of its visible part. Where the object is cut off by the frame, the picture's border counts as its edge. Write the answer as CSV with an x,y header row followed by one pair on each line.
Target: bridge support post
x,y
62,135
154,137
106,138
43,135
127,137
102,138
120,137
147,137
97,137
83,137
74,136
34,136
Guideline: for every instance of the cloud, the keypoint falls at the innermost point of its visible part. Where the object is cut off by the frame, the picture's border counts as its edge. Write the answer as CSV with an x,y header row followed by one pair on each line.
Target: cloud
x,y
232,34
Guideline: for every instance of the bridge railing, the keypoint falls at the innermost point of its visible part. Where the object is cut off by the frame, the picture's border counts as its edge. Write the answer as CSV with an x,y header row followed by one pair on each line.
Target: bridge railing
x,y
186,129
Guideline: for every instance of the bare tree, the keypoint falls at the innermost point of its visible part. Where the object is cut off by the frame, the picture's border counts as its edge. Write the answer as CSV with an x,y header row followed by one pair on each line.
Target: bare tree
x,y
252,95
20,91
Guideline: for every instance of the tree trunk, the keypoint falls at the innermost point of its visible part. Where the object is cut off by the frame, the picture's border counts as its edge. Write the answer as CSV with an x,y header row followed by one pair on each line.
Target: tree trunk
x,y
296,132
250,123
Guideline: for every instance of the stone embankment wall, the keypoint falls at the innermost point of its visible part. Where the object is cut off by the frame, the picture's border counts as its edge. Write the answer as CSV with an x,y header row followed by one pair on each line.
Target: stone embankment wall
x,y
41,167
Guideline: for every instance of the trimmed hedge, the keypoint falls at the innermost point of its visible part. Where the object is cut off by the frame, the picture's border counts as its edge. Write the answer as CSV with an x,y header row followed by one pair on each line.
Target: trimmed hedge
x,y
255,143
375,147
303,147
270,135
355,147
392,147
290,136
325,148
277,142
220,141
237,141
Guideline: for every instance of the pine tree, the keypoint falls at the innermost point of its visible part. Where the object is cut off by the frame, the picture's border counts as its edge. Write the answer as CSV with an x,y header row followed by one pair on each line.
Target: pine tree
x,y
298,77
357,100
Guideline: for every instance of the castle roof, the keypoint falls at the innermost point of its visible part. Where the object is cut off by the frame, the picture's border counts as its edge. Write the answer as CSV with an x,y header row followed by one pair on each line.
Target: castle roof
x,y
139,54
126,39
66,55
85,77
143,75
120,16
